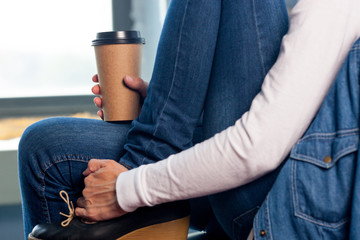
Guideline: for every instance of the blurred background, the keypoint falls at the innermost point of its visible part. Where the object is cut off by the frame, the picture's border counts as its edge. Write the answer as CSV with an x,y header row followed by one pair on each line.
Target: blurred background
x,y
46,65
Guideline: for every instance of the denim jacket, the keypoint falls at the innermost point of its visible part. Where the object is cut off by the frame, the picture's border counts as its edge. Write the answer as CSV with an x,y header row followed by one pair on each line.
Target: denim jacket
x,y
317,193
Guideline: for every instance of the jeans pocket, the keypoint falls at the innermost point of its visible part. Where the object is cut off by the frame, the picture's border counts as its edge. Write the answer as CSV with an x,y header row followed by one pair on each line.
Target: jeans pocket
x,y
322,173
243,224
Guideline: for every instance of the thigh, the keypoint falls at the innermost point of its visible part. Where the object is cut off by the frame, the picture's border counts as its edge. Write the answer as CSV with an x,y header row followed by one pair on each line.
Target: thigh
x,y
53,153
178,87
248,44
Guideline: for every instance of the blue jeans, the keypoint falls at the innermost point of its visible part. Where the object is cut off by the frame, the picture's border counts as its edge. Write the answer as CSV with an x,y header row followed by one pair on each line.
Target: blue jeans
x,y
211,61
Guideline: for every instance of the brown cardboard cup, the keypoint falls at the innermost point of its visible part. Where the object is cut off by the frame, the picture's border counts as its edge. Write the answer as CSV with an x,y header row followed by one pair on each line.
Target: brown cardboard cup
x,y
118,54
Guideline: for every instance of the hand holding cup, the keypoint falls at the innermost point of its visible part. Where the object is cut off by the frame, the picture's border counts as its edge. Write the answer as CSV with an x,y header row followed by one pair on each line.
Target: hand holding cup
x,y
134,83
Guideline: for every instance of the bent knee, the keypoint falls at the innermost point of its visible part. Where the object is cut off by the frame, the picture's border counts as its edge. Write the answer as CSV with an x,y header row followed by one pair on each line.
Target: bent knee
x,y
38,135
34,133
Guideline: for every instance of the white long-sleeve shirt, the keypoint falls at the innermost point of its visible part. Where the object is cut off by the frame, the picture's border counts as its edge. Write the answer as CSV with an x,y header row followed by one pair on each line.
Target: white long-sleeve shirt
x,y
320,36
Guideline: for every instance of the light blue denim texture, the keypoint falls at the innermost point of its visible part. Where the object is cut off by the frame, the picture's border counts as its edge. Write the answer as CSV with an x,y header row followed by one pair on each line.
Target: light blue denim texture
x,y
315,197
212,58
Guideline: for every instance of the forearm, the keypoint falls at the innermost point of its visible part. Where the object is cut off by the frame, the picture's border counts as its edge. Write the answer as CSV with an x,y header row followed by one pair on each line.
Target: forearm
x,y
320,36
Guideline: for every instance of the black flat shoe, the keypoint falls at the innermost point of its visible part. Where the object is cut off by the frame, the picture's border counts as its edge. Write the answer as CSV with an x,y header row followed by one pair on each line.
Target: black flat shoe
x,y
168,221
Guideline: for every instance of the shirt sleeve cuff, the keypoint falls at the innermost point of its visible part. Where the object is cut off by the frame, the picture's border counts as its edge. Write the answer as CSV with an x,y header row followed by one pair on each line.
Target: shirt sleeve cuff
x,y
126,191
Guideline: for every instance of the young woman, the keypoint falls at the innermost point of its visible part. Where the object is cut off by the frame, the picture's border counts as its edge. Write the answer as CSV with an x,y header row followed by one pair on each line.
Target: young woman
x,y
212,58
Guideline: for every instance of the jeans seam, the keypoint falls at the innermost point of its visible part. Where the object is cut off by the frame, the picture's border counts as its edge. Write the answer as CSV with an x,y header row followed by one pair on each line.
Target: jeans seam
x,y
44,205
124,164
267,212
45,167
357,68
256,223
293,185
64,158
256,24
331,135
172,81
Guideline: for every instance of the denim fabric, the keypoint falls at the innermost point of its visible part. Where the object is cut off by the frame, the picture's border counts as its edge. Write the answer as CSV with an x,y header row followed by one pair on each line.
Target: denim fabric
x,y
248,44
316,195
53,153
178,87
212,58
225,57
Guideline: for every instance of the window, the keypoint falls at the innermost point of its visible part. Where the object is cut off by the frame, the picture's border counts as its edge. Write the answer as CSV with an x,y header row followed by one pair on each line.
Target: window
x,y
46,46
47,52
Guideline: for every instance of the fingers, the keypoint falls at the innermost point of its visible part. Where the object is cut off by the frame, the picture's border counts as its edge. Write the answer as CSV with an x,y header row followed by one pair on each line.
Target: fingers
x,y
100,113
98,201
98,212
96,89
137,84
83,213
134,83
96,164
87,172
95,78
98,102
93,166
80,210
81,202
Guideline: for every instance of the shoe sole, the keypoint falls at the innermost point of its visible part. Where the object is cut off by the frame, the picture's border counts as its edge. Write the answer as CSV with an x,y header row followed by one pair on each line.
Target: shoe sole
x,y
174,230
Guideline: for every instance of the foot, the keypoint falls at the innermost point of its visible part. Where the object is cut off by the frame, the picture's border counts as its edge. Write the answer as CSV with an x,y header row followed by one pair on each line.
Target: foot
x,y
166,221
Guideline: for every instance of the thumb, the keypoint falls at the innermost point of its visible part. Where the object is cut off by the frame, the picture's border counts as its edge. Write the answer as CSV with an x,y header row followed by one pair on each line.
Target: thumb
x,y
93,166
136,84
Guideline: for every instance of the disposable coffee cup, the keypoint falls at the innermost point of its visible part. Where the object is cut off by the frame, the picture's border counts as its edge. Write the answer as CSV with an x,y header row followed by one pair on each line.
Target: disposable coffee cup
x,y
118,54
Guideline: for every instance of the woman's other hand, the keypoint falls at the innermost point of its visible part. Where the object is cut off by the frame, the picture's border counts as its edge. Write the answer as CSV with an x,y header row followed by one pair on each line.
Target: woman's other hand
x,y
99,202
134,83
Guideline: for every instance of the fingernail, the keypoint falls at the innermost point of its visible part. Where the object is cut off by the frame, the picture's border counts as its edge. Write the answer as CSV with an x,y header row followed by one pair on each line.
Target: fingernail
x,y
128,78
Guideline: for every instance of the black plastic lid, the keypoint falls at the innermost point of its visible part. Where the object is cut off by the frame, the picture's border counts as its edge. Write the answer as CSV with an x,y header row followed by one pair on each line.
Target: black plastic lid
x,y
119,37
